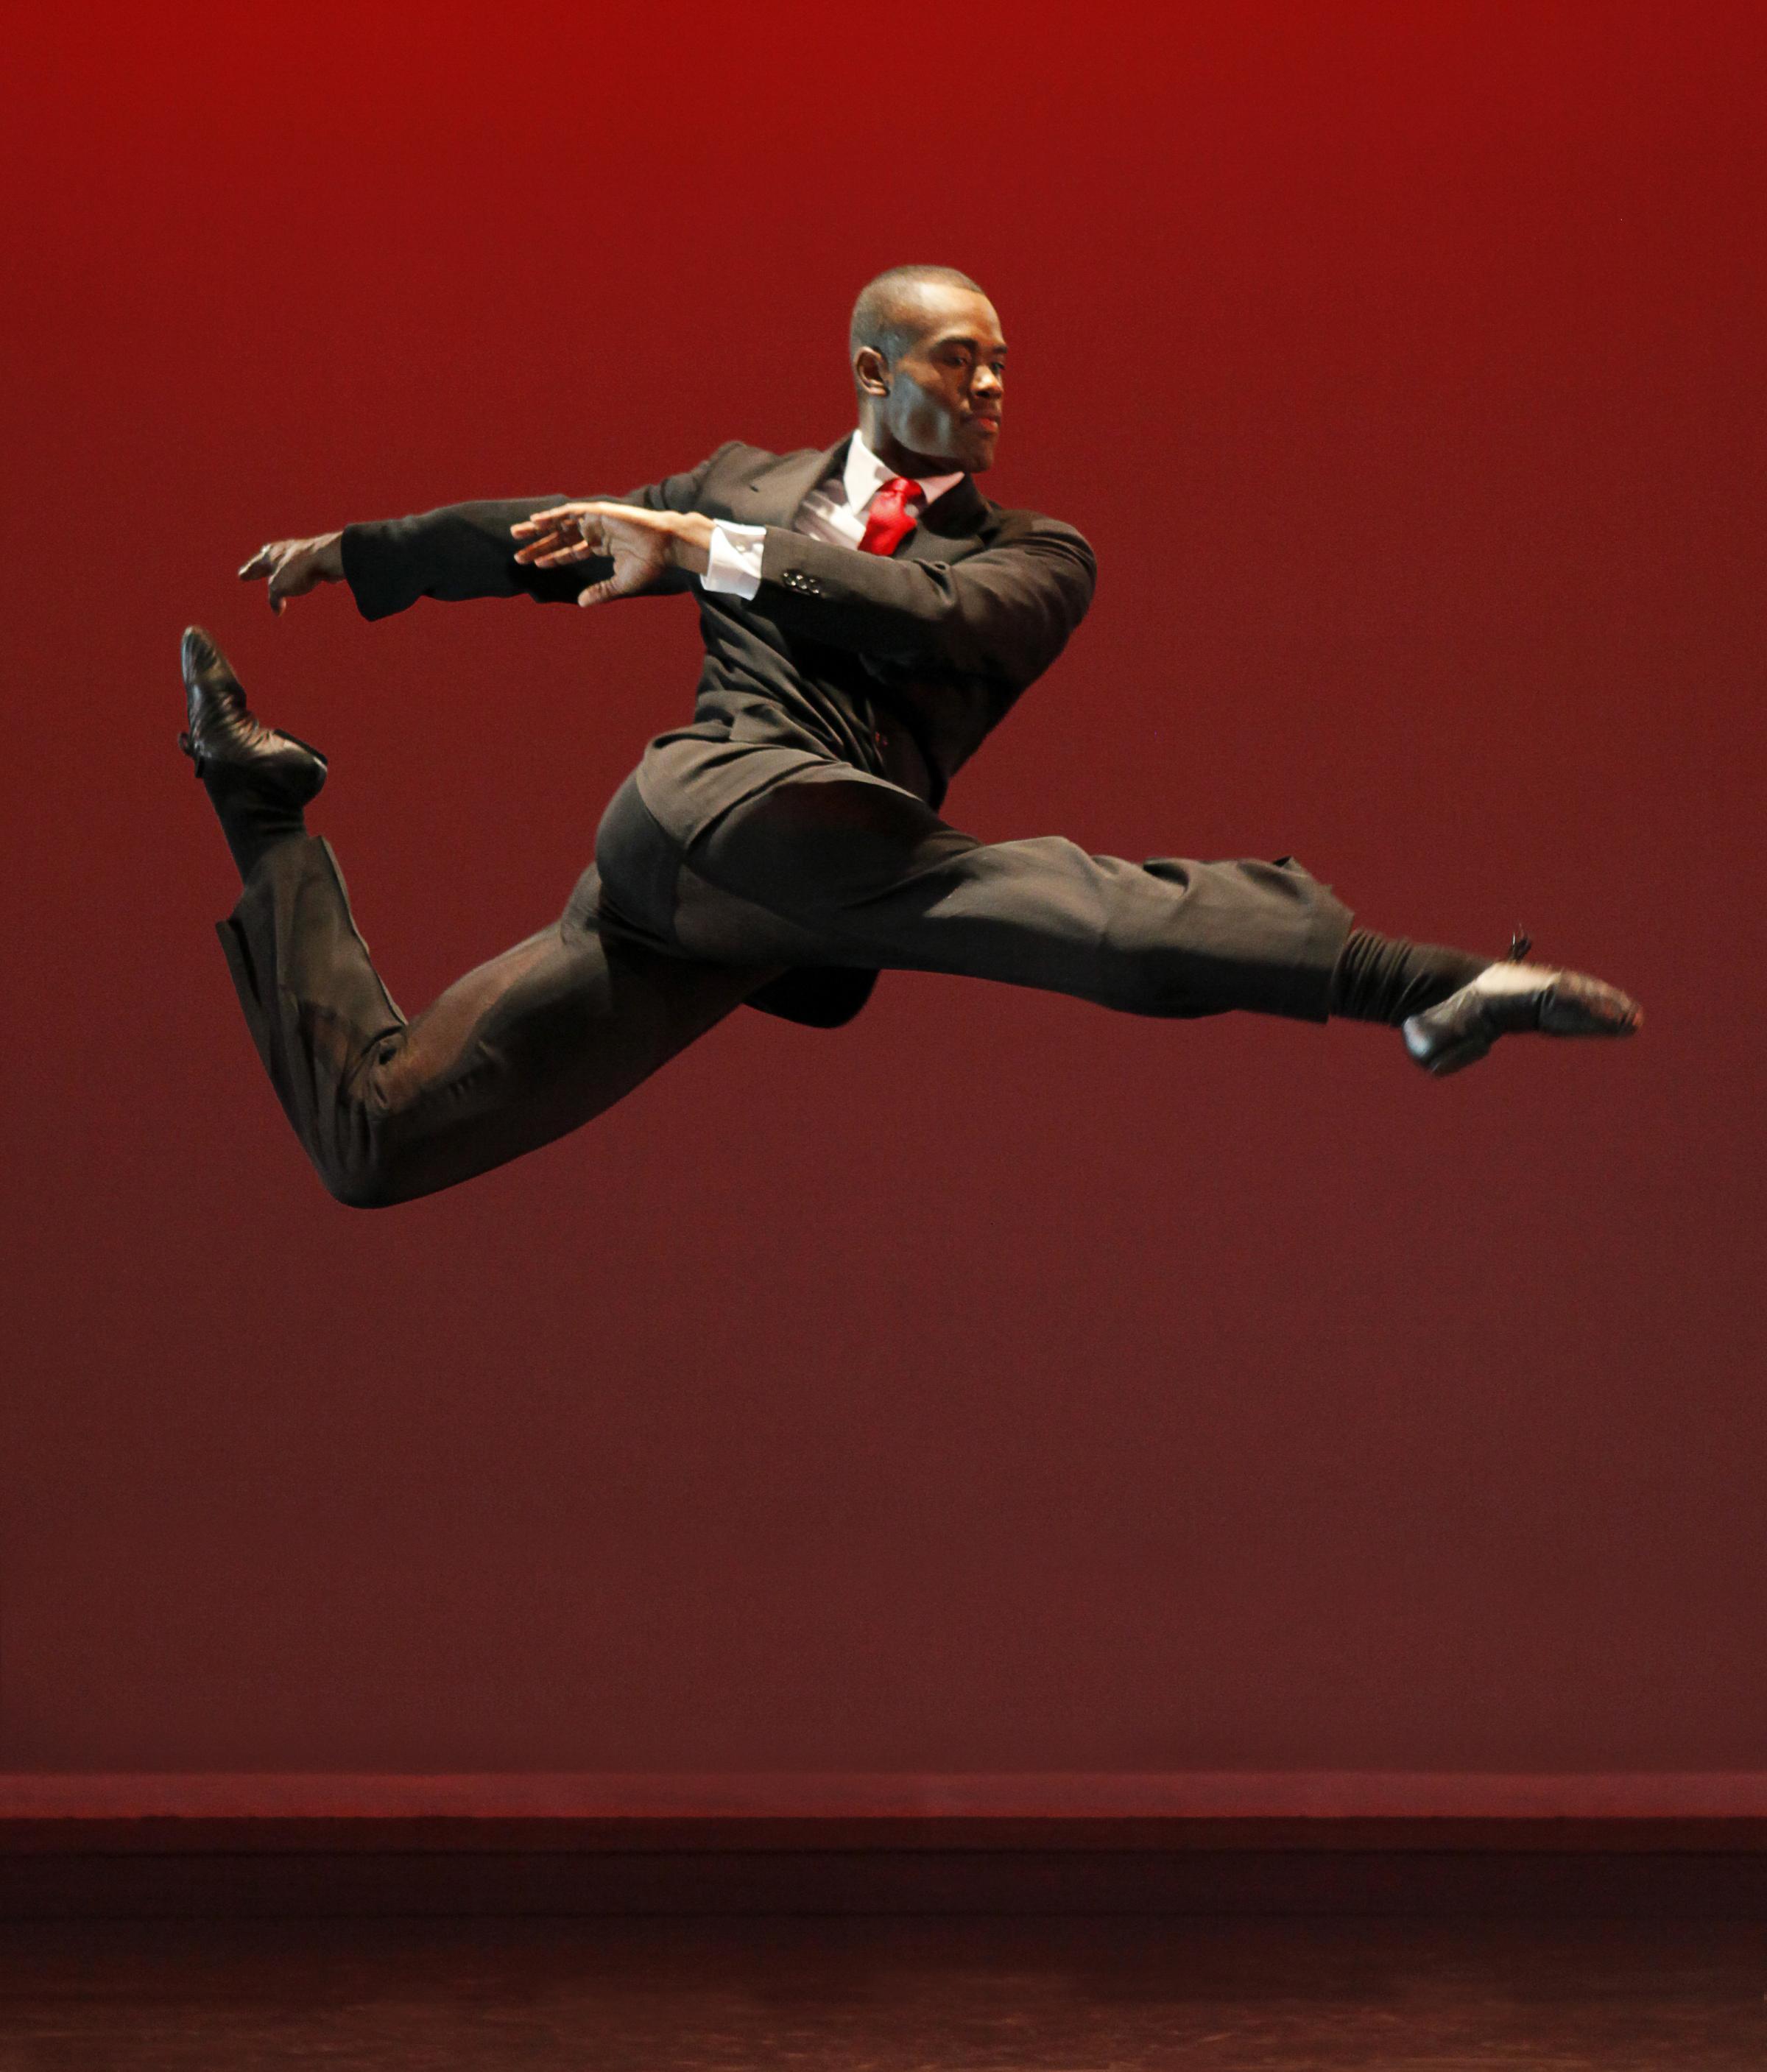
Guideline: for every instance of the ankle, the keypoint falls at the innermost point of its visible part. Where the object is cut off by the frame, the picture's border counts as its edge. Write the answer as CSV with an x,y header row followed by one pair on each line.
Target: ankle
x,y
1386,979
253,820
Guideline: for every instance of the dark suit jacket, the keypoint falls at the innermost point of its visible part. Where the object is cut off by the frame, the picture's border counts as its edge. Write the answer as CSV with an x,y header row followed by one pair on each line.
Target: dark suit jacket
x,y
900,666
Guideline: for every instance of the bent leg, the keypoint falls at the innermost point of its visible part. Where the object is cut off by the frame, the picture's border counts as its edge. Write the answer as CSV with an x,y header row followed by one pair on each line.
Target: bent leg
x,y
519,1051
861,873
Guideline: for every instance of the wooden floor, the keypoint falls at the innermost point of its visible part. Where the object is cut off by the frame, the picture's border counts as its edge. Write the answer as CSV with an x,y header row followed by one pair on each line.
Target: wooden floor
x,y
884,1995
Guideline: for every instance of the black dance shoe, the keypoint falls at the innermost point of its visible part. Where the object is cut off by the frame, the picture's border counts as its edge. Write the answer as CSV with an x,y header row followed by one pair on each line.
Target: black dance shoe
x,y
1511,998
223,736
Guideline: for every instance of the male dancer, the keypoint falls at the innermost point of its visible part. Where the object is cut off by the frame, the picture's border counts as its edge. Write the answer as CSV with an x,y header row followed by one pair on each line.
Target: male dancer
x,y
868,618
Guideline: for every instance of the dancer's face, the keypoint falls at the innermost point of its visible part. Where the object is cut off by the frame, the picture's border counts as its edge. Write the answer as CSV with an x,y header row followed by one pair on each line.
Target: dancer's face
x,y
940,400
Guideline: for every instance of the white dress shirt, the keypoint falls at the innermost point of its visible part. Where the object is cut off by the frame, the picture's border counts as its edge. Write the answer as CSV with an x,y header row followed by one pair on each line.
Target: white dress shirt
x,y
835,510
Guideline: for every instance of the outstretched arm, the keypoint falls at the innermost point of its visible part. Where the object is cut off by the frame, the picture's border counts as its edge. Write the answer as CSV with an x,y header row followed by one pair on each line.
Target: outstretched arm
x,y
458,551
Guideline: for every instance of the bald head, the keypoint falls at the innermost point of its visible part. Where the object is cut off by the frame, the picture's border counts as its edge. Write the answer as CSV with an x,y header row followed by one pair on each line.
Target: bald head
x,y
894,309
929,364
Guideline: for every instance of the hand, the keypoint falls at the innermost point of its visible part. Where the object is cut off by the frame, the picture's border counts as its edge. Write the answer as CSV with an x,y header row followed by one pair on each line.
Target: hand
x,y
294,566
644,545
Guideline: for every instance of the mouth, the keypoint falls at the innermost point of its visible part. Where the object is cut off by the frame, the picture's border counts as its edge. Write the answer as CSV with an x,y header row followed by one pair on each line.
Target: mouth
x,y
989,419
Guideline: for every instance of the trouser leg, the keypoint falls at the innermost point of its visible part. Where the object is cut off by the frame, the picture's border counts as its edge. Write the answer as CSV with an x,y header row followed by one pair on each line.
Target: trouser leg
x,y
518,1052
838,872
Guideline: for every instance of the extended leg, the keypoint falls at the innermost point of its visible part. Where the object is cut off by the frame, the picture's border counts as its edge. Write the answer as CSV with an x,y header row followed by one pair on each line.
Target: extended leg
x,y
826,867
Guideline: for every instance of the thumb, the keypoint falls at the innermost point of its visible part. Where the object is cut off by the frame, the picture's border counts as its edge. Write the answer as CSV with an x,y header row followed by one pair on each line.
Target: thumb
x,y
599,593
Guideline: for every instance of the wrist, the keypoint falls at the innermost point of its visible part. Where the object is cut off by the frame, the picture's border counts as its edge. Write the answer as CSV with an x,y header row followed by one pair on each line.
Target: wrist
x,y
329,561
690,542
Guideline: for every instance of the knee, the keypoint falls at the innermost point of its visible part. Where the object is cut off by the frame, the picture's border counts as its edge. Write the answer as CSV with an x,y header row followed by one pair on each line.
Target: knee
x,y
360,1183
357,1193
354,1138
356,1159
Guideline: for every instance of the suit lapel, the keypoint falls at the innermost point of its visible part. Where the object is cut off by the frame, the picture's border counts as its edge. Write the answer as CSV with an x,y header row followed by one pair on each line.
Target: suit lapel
x,y
773,496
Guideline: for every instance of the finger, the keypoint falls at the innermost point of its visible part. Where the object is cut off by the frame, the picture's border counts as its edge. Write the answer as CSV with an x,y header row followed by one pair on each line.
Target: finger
x,y
552,542
259,564
544,520
549,545
574,550
558,515
624,514
600,592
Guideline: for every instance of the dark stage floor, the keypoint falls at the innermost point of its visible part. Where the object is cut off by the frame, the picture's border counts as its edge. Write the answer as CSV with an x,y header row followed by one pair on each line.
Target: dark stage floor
x,y
883,1995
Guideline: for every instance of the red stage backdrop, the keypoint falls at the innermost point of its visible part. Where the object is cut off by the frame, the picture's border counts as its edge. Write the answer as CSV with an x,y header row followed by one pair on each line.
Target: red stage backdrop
x,y
1008,1389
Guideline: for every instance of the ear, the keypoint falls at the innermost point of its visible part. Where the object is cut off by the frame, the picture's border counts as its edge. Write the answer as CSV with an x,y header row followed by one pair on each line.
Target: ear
x,y
871,372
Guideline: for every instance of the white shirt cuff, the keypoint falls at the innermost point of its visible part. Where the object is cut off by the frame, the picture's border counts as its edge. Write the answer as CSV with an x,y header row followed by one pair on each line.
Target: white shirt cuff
x,y
733,561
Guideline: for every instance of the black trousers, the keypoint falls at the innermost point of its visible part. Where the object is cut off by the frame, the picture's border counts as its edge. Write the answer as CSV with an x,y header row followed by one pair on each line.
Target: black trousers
x,y
717,868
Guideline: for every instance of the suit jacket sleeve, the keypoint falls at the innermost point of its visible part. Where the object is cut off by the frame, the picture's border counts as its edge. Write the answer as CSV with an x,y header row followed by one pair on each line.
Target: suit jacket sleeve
x,y
464,550
1005,611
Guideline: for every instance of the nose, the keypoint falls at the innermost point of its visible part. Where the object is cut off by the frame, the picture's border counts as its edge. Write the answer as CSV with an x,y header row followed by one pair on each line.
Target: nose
x,y
988,383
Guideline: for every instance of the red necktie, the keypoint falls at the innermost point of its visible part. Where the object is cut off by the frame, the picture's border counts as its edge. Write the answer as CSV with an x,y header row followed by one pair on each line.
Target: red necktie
x,y
890,521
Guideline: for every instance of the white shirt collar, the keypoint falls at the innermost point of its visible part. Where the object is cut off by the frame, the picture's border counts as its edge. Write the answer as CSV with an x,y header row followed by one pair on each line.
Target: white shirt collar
x,y
866,475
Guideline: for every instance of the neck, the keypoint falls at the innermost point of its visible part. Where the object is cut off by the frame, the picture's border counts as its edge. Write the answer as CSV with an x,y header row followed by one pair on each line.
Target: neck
x,y
903,460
